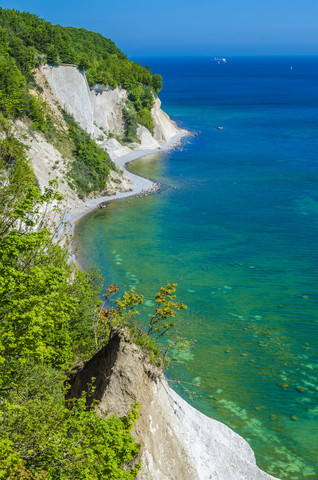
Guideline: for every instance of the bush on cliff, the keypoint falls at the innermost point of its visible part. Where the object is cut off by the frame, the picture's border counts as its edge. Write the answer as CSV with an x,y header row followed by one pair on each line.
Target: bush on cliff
x,y
91,165
43,437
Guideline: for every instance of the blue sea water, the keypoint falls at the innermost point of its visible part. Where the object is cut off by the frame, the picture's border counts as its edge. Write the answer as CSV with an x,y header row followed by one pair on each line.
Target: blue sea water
x,y
235,224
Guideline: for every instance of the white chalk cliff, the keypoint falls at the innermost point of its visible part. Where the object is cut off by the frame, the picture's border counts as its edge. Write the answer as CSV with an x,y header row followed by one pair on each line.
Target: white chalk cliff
x,y
98,110
177,441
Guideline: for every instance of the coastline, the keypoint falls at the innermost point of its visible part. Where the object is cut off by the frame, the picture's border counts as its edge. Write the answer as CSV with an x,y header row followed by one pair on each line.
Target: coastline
x,y
139,185
192,432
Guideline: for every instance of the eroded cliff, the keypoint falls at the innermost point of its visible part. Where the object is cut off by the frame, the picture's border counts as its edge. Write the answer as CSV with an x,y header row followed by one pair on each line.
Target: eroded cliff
x,y
99,111
178,442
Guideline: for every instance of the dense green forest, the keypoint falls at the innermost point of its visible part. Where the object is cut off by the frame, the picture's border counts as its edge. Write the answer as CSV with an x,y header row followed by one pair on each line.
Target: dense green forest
x,y
27,41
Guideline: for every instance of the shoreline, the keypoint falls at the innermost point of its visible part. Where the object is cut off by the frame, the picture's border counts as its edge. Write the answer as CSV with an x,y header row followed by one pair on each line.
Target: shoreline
x,y
139,185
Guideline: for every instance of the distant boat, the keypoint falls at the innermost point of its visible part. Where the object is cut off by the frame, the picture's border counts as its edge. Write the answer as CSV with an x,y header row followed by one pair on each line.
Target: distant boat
x,y
219,60
220,128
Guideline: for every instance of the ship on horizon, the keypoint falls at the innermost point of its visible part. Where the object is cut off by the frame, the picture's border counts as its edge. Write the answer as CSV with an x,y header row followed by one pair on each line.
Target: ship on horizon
x,y
219,60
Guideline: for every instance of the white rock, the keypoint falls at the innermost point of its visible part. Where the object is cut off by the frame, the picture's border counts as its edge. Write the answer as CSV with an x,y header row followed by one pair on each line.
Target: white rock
x,y
71,89
99,110
107,109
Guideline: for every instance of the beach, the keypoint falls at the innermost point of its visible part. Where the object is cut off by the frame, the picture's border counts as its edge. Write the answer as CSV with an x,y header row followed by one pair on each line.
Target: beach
x,y
139,185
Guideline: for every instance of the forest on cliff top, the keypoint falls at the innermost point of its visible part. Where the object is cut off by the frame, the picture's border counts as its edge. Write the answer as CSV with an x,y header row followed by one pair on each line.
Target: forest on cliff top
x,y
27,41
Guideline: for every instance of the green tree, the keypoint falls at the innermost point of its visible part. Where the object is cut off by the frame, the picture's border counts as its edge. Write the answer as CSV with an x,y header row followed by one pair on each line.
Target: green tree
x,y
52,55
162,324
157,82
144,117
92,164
44,437
12,88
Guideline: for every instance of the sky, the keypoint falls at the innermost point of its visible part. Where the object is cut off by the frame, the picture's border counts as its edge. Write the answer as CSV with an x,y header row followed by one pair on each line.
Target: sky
x,y
190,27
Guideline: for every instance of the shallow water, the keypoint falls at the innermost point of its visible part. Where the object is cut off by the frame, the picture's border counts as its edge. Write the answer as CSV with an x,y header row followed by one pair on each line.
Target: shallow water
x,y
235,225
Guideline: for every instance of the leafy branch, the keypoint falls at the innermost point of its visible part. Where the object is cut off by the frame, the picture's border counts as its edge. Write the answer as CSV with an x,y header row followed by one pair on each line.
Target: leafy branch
x,y
166,307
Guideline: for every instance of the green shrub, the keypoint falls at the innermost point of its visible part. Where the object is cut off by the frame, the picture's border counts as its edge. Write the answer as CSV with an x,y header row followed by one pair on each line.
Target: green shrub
x,y
144,117
141,102
91,165
44,437
36,112
13,93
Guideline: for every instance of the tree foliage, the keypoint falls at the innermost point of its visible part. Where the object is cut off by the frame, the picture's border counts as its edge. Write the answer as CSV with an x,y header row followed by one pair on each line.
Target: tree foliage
x,y
47,314
162,323
44,437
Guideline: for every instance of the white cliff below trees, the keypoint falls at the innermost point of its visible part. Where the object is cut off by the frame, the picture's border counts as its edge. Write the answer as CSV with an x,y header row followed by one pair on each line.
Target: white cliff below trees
x,y
177,441
72,91
98,110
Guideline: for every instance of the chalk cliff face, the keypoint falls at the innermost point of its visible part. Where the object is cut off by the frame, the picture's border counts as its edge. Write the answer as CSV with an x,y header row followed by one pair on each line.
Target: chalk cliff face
x,y
99,111
177,441
107,108
164,127
71,89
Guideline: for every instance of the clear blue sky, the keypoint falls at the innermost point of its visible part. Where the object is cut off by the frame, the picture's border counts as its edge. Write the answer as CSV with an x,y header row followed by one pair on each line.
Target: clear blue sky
x,y
190,27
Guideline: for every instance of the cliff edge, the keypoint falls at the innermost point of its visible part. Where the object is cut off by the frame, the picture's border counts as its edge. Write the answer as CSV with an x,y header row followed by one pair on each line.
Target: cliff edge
x,y
177,441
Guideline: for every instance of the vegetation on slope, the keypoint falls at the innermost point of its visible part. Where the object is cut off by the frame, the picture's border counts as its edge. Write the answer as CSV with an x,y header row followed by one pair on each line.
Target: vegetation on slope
x,y
51,317
26,41
47,312
91,165
50,312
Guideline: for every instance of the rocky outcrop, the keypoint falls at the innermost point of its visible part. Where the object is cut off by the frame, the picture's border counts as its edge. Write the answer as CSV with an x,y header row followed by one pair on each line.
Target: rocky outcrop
x,y
107,107
47,162
164,128
177,441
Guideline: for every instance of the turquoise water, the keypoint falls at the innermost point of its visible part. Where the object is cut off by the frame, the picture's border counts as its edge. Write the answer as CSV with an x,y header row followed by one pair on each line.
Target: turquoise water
x,y
235,224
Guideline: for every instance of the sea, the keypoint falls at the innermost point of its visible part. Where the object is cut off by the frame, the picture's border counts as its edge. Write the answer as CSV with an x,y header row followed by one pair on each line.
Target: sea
x,y
235,225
